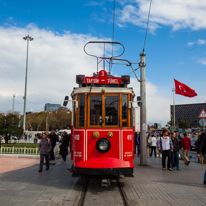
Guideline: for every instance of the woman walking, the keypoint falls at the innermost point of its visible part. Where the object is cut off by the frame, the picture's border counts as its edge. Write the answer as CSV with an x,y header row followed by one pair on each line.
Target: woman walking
x,y
64,146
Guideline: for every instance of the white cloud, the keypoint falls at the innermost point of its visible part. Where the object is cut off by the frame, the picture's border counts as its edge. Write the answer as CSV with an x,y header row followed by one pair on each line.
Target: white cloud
x,y
202,61
190,43
54,61
178,14
201,42
158,107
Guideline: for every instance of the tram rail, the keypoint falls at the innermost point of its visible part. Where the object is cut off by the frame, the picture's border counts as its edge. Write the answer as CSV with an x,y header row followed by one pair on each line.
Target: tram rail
x,y
82,197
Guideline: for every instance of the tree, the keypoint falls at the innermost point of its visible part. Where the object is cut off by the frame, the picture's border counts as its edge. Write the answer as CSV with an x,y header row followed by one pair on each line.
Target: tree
x,y
184,124
9,125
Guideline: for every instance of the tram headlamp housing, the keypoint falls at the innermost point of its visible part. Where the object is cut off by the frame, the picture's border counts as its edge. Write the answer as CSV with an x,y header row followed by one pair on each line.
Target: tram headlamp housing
x,y
103,145
125,79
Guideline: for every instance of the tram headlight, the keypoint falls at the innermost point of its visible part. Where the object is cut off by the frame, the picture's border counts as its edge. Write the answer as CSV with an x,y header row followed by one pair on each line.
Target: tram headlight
x,y
103,145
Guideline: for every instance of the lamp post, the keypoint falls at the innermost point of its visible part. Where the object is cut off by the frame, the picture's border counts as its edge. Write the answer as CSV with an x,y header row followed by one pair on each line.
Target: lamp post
x,y
27,38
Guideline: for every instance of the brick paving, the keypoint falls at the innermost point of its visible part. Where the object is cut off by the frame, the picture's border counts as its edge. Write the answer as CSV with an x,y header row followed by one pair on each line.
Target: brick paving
x,y
150,186
13,163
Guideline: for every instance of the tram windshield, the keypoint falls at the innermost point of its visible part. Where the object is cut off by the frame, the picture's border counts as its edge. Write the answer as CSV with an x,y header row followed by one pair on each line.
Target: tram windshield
x,y
103,110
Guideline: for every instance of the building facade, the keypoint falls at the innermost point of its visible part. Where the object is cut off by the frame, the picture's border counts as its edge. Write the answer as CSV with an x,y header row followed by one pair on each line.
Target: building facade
x,y
53,107
188,112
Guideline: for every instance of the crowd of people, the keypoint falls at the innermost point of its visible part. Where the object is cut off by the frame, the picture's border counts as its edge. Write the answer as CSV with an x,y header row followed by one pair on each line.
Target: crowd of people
x,y
47,145
169,144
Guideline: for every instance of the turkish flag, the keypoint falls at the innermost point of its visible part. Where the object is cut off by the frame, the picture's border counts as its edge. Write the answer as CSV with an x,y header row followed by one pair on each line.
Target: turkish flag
x,y
184,90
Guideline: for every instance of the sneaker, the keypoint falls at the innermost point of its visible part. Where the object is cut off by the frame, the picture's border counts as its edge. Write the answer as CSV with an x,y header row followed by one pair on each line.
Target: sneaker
x,y
163,168
188,162
47,168
173,168
40,170
178,169
169,169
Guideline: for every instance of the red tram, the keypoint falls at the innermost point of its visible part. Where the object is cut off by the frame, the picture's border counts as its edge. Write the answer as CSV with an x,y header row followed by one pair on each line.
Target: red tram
x,y
102,136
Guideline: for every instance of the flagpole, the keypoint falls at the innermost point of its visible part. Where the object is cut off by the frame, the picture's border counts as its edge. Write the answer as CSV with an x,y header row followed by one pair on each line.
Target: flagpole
x,y
173,103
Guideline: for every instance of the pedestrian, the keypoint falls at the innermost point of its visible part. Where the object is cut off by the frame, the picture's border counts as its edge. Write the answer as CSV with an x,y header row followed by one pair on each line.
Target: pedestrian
x,y
135,140
153,145
138,143
44,148
166,147
186,143
175,153
53,138
202,149
64,146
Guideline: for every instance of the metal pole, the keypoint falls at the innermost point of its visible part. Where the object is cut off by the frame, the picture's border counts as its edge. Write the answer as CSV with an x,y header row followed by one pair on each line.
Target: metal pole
x,y
13,103
174,105
28,38
143,121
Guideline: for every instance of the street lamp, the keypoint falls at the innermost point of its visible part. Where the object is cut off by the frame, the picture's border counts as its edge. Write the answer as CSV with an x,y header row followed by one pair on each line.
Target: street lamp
x,y
28,38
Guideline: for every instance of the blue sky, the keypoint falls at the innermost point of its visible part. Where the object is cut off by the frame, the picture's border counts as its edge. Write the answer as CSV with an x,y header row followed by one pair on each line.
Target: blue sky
x,y
175,47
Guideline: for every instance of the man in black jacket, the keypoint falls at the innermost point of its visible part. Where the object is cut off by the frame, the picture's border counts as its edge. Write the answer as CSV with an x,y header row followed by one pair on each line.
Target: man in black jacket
x,y
53,138
202,149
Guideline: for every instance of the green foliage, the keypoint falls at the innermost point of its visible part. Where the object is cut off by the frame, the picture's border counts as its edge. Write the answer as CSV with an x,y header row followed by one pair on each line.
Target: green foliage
x,y
184,124
9,125
60,119
20,145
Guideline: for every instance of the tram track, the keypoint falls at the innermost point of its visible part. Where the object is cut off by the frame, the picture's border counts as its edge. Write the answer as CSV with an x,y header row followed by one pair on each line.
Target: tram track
x,y
82,199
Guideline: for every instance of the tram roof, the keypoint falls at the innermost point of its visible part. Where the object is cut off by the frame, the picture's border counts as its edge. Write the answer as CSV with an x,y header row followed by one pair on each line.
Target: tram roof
x,y
99,90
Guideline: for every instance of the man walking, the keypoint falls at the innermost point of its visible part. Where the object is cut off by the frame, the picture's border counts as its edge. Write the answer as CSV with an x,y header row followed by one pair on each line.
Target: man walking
x,y
44,148
53,138
186,143
202,149
165,145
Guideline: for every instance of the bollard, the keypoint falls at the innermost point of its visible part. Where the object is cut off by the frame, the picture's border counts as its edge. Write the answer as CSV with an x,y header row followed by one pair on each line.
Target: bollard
x,y
202,160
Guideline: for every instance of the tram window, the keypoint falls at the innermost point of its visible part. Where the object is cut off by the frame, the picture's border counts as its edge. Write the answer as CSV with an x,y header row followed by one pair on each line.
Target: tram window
x,y
81,109
111,110
95,110
124,110
74,110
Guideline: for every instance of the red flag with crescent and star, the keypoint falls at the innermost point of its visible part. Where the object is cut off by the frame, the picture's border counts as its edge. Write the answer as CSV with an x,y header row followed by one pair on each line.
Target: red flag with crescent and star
x,y
184,90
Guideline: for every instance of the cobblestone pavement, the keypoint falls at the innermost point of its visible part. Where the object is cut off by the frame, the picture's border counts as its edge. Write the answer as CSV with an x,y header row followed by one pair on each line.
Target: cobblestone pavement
x,y
153,186
150,186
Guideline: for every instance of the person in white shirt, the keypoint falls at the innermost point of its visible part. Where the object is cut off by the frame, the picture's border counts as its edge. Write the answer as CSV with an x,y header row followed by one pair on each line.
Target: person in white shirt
x,y
153,142
166,147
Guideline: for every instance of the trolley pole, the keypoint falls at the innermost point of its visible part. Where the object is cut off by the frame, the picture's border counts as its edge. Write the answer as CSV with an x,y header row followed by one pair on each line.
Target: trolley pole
x,y
143,118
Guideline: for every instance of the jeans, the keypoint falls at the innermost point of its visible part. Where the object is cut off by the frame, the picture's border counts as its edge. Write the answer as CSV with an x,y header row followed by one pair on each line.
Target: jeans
x,y
204,156
153,148
138,146
42,156
52,153
166,153
175,155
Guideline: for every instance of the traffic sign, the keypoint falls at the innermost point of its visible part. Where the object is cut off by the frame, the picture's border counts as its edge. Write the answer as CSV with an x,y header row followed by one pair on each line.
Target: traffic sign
x,y
202,114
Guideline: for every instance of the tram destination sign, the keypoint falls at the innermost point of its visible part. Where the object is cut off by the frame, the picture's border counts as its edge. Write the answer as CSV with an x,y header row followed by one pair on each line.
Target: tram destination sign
x,y
102,78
